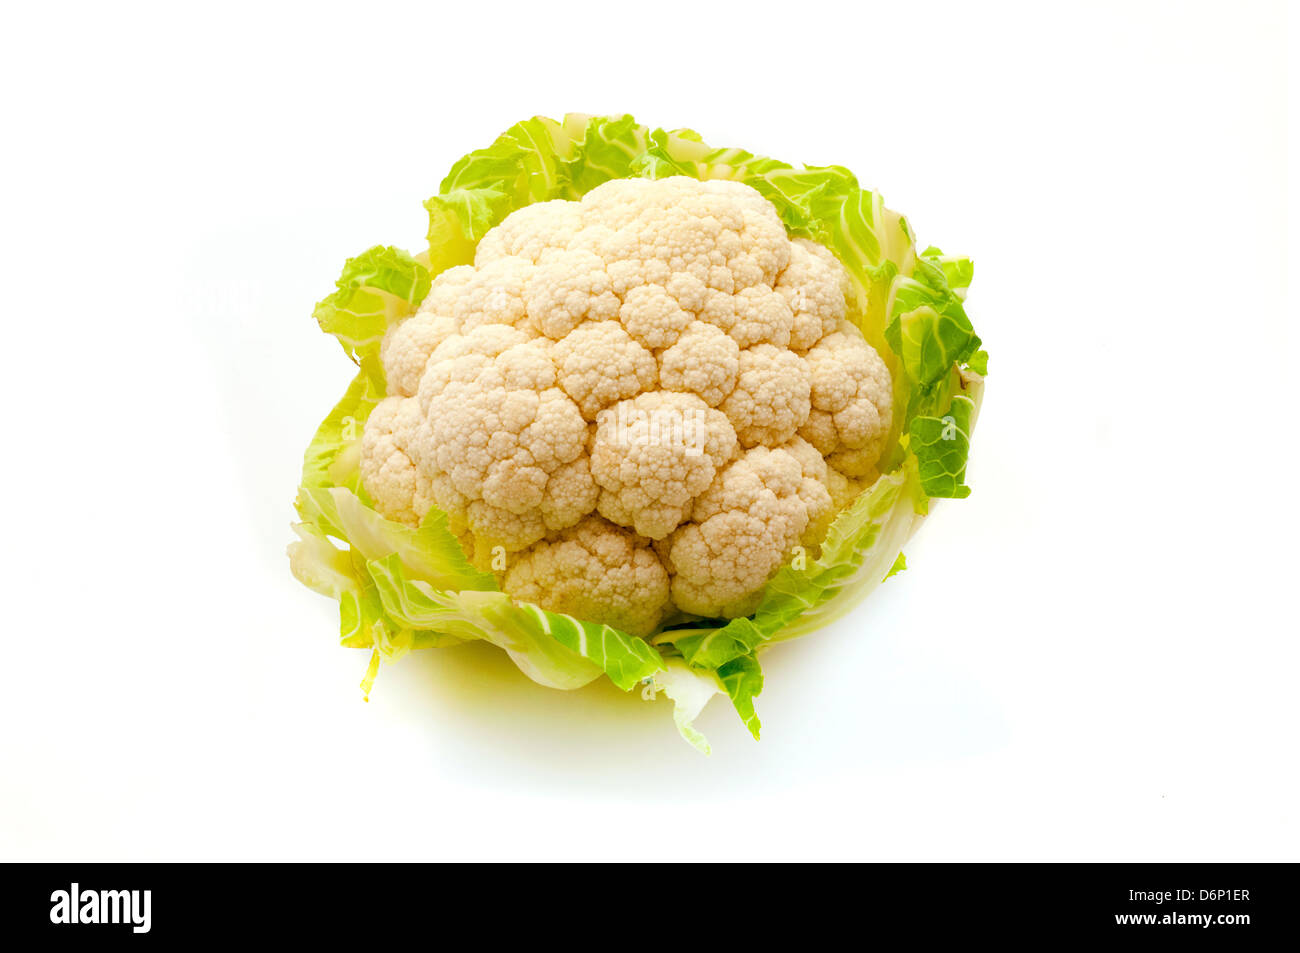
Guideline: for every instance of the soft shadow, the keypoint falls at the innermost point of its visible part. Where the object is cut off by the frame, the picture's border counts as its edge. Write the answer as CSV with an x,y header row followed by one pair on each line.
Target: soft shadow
x,y
483,715
855,697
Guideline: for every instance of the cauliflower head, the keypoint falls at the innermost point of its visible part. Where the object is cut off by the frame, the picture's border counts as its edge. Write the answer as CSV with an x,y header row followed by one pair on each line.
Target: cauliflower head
x,y
632,407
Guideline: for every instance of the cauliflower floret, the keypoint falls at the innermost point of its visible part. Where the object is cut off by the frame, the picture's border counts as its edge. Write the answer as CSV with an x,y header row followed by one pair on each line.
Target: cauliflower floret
x,y
744,524
814,490
387,469
762,232
495,423
447,289
531,232
704,361
653,316
495,295
617,203
597,572
406,347
569,288
653,455
770,401
446,497
725,234
571,494
813,285
491,526
762,316
600,364
626,271
690,293
719,310
860,464
461,357
843,489
852,400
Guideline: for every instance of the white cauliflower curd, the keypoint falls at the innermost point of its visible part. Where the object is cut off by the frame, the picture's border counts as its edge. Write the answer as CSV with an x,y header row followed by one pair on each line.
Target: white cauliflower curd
x,y
633,406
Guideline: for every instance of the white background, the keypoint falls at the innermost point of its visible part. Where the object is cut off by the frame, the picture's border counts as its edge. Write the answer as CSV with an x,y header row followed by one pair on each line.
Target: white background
x,y
1093,657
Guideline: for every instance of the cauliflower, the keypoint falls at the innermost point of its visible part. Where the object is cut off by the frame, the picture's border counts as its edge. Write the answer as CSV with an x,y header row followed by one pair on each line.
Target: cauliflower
x,y
704,361
495,434
617,421
743,526
632,406
770,401
386,465
653,455
851,400
594,571
600,363
813,287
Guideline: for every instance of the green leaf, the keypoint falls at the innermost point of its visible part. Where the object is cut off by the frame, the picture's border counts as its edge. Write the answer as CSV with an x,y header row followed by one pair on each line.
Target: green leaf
x,y
527,163
333,457
860,547
430,553
363,624
928,327
690,690
458,220
377,288
609,150
712,648
900,565
551,648
941,445
957,272
319,565
725,655
742,680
